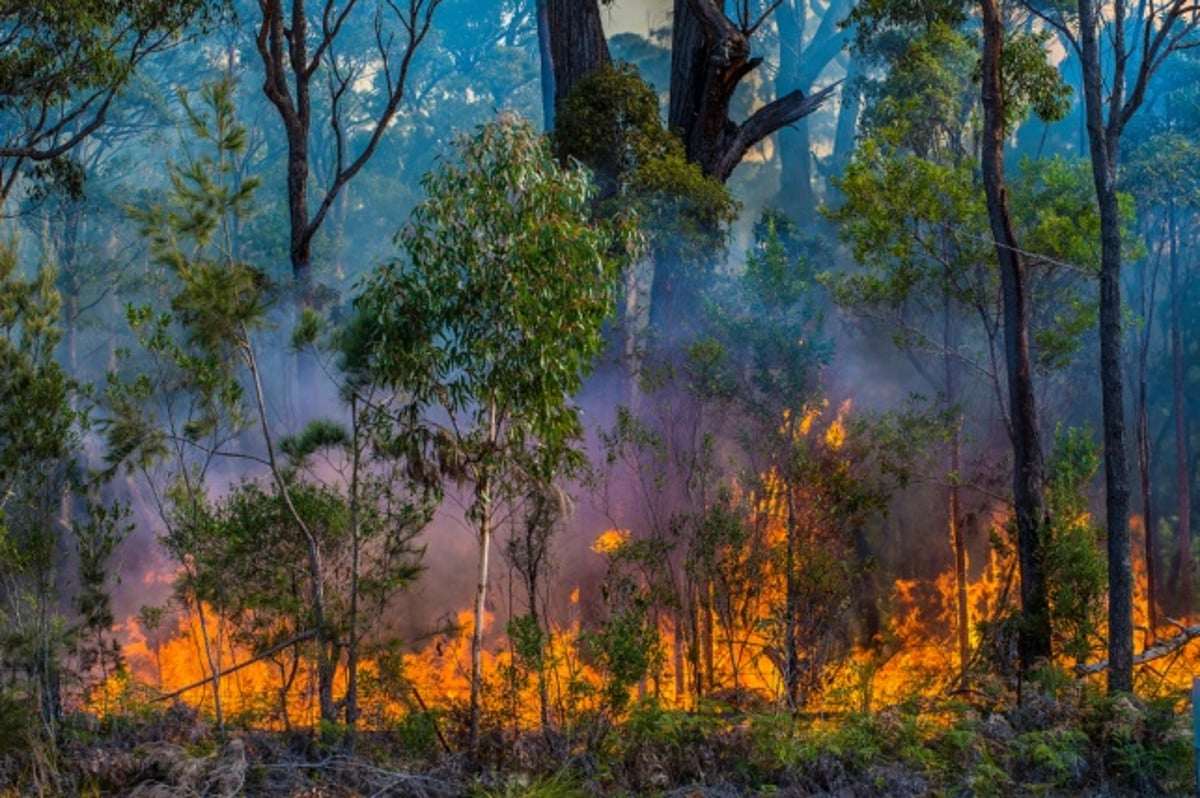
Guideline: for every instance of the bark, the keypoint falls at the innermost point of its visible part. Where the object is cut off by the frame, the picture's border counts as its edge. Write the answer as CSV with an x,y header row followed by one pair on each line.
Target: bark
x,y
1028,468
353,636
1144,453
710,56
483,503
1183,483
848,113
546,57
572,44
1142,441
796,196
1103,146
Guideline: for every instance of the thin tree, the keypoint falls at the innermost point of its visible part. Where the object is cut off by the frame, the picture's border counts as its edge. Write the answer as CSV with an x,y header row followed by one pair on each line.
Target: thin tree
x,y
299,47
1028,465
1137,41
490,323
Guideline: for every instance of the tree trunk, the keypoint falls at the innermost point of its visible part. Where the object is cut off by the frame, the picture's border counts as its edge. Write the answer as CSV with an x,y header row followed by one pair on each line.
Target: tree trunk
x,y
710,56
483,503
575,44
1143,447
1183,483
1103,146
848,112
546,57
954,500
485,539
796,196
799,67
1028,469
353,637
1142,442
283,46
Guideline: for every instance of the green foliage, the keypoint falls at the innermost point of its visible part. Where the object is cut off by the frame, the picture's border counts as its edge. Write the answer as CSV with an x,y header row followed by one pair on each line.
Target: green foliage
x,y
1053,758
217,298
1076,578
39,440
96,540
499,306
1031,82
557,785
60,68
769,321
35,418
611,123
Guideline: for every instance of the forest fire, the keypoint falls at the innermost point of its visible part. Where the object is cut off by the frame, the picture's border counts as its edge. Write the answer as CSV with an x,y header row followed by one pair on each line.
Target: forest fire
x,y
912,656
446,397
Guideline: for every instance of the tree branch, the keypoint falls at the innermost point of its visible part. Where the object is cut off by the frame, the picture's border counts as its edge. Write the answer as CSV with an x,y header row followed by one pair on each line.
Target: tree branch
x,y
765,121
1186,635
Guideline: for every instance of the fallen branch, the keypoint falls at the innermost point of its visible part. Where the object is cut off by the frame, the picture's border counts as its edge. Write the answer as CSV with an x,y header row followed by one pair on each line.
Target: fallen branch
x,y
1186,635
291,641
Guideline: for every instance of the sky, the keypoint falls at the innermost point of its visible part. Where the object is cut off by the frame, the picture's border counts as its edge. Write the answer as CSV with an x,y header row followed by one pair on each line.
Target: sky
x,y
634,16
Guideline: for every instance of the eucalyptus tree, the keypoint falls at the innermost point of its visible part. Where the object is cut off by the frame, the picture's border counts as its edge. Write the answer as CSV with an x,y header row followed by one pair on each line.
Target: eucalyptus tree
x,y
912,216
806,51
307,47
917,217
38,434
1162,181
1003,106
490,322
1121,46
710,57
64,65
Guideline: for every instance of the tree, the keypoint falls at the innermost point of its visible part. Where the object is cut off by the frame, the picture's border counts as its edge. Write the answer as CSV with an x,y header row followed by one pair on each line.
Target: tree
x,y
205,384
1140,37
63,66
298,47
611,123
916,214
572,46
491,321
1028,467
710,56
38,437
801,62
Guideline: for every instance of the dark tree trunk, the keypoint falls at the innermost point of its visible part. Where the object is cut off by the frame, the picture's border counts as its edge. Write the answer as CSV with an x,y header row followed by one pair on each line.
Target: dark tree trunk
x,y
1028,468
573,40
283,42
710,56
1103,146
1183,484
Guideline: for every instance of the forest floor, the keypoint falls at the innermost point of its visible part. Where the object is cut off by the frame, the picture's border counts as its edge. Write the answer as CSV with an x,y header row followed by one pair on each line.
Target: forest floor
x,y
1081,744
